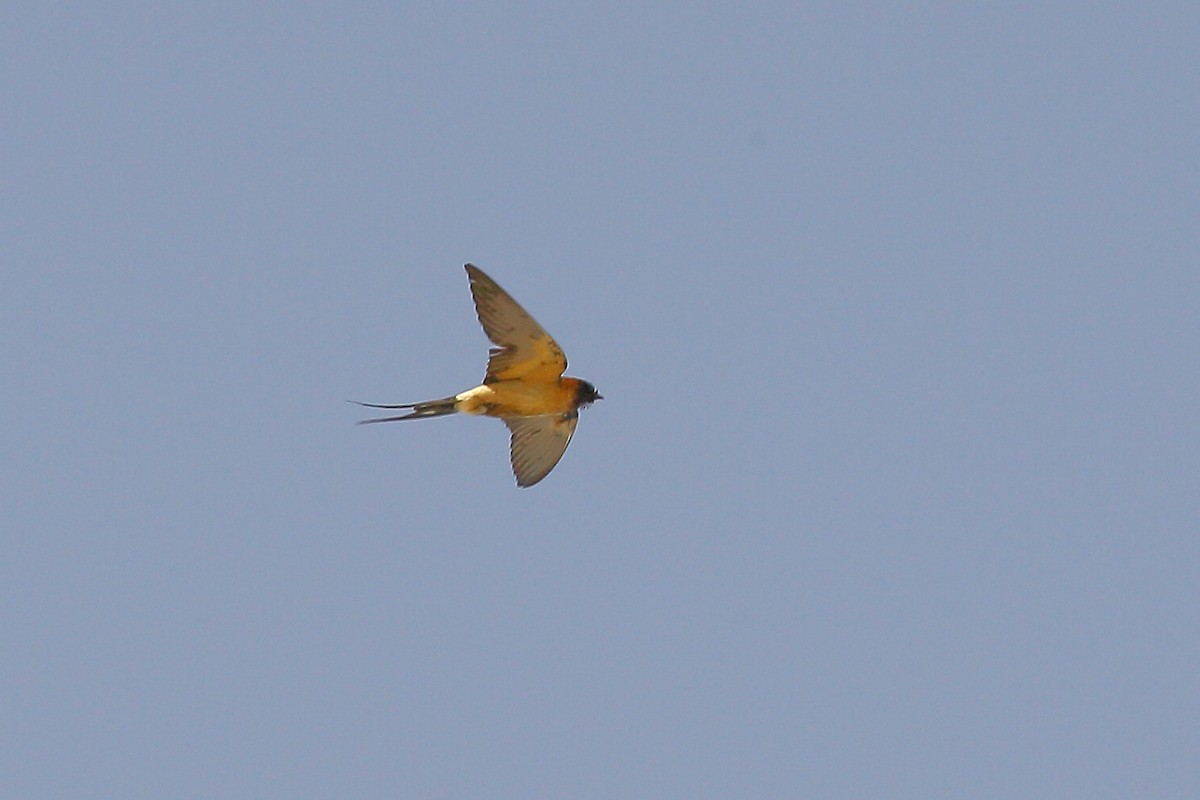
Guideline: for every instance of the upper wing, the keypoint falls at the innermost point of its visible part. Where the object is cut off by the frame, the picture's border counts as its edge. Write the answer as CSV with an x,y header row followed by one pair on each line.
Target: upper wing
x,y
525,350
538,443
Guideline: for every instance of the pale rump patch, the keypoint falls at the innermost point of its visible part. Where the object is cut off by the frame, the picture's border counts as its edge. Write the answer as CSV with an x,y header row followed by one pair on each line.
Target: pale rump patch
x,y
474,401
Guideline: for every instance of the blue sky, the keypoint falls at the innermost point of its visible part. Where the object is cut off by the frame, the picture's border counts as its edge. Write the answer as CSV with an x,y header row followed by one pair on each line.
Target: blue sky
x,y
893,492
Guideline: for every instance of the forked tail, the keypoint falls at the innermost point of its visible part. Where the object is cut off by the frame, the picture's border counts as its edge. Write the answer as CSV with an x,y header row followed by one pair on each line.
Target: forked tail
x,y
429,408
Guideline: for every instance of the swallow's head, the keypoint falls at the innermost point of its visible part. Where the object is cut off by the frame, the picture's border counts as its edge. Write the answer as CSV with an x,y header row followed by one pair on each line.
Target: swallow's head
x,y
586,394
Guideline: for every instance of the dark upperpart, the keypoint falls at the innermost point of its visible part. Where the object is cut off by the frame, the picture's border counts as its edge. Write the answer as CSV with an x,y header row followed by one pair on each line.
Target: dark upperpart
x,y
586,394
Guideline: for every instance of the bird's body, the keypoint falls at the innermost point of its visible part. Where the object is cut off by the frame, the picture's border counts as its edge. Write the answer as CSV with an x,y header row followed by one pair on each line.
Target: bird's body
x,y
524,385
520,398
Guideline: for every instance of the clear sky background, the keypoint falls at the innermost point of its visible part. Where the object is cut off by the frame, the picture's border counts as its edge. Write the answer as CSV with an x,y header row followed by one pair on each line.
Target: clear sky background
x,y
895,491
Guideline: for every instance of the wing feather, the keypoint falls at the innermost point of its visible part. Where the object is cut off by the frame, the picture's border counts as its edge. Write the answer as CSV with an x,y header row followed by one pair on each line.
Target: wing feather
x,y
524,348
538,443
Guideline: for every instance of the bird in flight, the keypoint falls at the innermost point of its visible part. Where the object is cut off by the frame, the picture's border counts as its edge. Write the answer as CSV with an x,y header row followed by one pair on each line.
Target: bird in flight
x,y
524,385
